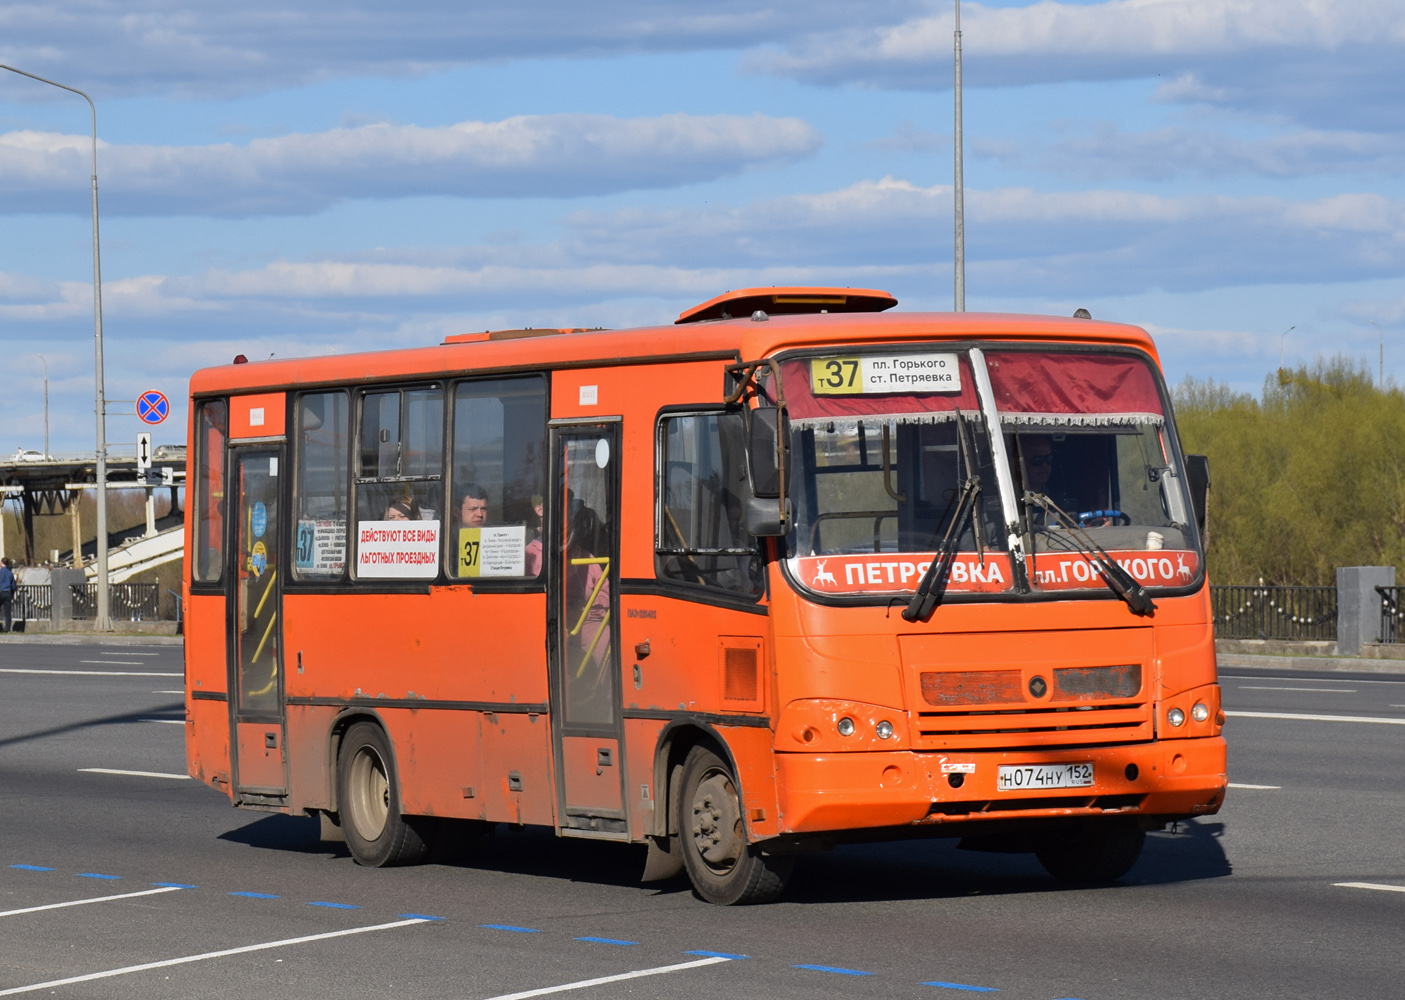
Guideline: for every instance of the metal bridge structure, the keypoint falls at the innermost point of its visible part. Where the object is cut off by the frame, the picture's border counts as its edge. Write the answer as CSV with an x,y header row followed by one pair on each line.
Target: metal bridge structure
x,y
49,485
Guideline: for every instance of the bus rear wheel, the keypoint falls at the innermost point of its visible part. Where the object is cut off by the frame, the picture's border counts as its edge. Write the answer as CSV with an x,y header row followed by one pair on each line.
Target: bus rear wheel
x,y
722,866
1093,852
368,800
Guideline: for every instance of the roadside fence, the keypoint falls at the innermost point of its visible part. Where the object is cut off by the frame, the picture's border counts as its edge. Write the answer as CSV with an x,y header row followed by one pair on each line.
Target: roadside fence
x,y
1268,612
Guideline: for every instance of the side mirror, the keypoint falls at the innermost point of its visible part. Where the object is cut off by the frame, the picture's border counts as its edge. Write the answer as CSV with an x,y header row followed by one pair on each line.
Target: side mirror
x,y
1197,475
767,517
768,451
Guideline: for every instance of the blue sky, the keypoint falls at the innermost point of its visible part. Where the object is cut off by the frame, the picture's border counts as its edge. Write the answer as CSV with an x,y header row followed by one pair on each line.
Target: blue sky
x,y
333,176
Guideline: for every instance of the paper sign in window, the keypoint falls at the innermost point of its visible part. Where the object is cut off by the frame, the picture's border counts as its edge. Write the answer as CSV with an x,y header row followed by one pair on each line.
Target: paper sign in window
x,y
493,551
885,373
397,550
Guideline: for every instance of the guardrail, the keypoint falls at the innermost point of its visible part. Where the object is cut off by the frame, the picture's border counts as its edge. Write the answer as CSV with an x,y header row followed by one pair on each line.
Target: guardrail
x,y
1264,612
127,601
33,602
1392,614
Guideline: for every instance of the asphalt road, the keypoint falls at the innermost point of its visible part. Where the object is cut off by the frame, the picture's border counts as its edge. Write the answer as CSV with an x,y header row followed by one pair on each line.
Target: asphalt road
x,y
1243,904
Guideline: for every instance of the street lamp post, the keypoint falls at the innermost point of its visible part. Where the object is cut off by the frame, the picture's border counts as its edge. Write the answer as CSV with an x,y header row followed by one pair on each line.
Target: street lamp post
x,y
104,618
958,193
44,361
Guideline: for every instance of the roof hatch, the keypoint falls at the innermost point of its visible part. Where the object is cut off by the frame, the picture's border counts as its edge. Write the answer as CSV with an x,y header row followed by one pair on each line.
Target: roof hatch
x,y
782,300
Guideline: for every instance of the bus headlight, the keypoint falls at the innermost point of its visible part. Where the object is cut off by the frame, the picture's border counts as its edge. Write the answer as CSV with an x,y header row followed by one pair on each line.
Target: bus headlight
x,y
884,730
1175,717
1200,711
846,726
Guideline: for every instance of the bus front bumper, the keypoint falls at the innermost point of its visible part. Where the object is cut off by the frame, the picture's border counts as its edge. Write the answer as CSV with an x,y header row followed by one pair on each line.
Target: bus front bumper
x,y
857,790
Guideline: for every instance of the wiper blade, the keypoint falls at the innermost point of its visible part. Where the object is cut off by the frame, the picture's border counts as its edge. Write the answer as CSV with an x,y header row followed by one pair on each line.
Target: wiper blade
x,y
929,588
1118,580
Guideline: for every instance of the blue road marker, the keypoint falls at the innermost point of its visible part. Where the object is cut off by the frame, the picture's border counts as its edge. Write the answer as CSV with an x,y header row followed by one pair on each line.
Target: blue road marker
x,y
32,868
717,954
96,875
832,968
418,916
600,940
174,885
509,927
337,906
255,895
963,986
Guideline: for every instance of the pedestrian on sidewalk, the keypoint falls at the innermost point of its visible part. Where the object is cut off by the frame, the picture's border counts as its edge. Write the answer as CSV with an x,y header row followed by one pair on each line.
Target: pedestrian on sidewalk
x,y
7,590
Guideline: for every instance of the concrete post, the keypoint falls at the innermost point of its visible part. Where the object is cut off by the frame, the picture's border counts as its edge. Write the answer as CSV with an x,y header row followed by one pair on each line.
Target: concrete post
x,y
61,583
1359,606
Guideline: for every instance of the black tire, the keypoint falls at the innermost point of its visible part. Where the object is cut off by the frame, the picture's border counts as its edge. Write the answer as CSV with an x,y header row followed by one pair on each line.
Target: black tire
x,y
1092,852
368,802
722,866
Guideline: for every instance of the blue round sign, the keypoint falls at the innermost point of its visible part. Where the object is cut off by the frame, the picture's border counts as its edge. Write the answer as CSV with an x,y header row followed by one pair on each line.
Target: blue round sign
x,y
260,519
153,407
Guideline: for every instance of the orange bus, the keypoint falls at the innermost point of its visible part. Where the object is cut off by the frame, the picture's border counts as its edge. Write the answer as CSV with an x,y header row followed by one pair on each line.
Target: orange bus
x,y
790,572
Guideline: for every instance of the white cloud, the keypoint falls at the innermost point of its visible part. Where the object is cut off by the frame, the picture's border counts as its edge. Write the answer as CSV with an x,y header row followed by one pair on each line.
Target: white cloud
x,y
1106,152
1315,59
199,49
559,155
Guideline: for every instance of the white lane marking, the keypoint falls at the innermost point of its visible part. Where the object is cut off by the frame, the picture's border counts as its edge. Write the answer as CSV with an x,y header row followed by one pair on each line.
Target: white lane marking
x,y
86,673
1315,718
168,692
167,963
1305,680
1370,885
1261,788
639,974
117,663
169,722
81,902
129,653
133,774
1264,687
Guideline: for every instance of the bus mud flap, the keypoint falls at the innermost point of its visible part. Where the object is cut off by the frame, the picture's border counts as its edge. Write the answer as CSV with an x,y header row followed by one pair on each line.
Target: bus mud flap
x,y
665,859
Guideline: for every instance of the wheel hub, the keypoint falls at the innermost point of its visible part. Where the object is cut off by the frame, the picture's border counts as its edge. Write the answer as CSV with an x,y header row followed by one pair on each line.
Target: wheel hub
x,y
717,822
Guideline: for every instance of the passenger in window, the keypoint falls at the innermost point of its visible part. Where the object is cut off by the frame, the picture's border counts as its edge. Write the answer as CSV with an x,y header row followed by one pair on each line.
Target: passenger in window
x,y
403,508
473,508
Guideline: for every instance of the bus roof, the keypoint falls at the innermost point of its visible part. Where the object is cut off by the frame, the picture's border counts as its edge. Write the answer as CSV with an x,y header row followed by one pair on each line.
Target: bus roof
x,y
724,339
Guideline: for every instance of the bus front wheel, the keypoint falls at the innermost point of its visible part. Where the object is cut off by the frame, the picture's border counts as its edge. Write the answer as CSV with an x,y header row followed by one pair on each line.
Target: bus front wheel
x,y
368,800
1092,852
722,866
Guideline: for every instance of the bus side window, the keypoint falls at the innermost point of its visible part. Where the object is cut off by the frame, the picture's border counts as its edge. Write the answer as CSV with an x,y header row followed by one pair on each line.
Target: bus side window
x,y
209,496
322,482
497,475
701,536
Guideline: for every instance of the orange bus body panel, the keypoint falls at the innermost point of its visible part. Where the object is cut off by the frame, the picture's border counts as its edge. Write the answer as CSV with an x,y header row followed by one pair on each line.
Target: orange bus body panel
x,y
458,675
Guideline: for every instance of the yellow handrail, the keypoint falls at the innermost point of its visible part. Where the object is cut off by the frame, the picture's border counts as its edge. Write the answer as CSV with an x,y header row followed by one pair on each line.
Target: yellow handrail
x,y
604,575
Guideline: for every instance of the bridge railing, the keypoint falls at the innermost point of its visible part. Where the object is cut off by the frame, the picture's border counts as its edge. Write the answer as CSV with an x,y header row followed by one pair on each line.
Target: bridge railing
x,y
127,601
1264,612
33,602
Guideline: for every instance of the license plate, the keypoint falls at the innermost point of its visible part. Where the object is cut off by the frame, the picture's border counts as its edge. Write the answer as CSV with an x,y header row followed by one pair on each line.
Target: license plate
x,y
1023,777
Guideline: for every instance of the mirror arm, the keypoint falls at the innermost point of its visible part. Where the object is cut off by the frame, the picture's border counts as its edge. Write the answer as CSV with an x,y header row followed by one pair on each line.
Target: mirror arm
x,y
745,374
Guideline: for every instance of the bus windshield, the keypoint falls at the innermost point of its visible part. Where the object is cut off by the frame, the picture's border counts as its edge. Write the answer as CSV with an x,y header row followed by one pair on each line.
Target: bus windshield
x,y
879,464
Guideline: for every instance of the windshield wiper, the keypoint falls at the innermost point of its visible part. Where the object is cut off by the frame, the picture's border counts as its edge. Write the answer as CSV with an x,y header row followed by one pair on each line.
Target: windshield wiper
x,y
1118,580
929,589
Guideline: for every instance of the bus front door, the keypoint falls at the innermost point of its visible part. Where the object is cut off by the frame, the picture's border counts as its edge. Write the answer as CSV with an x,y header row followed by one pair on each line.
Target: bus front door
x,y
256,650
583,625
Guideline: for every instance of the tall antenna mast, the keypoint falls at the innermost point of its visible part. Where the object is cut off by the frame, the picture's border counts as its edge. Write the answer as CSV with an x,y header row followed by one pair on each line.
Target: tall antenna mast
x,y
959,191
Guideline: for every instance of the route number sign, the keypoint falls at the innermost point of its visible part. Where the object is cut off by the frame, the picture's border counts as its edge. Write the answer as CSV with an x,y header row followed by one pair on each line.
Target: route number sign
x,y
153,407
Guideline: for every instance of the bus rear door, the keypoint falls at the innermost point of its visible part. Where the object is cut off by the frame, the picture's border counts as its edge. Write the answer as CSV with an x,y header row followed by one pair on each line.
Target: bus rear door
x,y
583,626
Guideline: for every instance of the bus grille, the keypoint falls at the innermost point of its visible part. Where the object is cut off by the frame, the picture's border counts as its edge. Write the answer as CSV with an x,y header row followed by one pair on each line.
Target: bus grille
x,y
1077,725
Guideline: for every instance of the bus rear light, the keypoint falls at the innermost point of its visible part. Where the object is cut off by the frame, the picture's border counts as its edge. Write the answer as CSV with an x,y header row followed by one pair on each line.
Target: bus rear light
x,y
846,726
1200,711
1176,717
826,725
884,730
